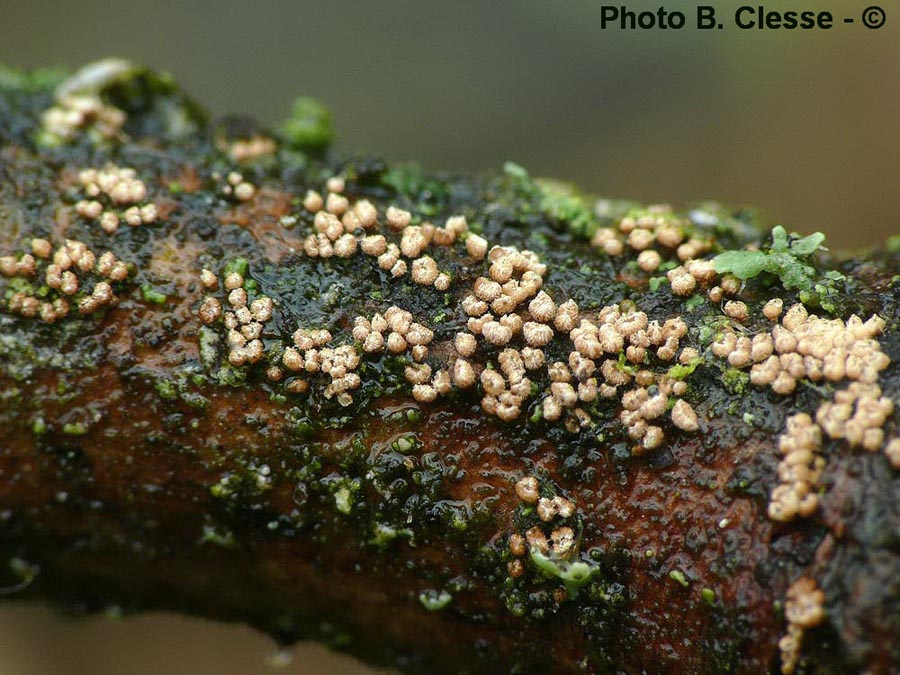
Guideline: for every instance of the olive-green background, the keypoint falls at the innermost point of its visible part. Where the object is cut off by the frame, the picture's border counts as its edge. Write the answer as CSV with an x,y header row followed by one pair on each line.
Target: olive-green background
x,y
803,125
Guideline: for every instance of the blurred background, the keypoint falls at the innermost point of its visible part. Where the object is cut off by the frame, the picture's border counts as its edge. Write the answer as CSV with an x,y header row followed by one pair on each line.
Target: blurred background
x,y
801,124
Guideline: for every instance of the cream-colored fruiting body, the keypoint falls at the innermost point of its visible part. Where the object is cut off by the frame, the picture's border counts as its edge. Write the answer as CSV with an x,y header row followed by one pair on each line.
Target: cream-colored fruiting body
x,y
803,609
805,347
76,114
615,353
115,195
527,351
255,147
71,269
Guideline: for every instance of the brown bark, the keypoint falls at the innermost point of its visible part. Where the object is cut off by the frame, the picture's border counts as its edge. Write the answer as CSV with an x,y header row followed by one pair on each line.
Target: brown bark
x,y
133,471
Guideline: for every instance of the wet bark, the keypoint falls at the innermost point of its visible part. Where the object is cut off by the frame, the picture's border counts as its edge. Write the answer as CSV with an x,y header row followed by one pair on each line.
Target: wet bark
x,y
138,467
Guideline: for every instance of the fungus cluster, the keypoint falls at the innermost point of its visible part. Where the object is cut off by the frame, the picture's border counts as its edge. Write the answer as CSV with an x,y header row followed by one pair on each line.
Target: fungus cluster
x,y
804,609
857,415
560,544
515,331
245,150
396,333
518,344
245,319
236,187
806,347
341,229
508,310
310,354
606,356
114,195
661,239
76,114
728,285
335,223
655,226
507,389
73,273
511,322
799,470
312,351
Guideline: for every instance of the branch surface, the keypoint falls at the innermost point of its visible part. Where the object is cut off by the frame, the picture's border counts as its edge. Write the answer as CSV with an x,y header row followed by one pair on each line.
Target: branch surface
x,y
449,424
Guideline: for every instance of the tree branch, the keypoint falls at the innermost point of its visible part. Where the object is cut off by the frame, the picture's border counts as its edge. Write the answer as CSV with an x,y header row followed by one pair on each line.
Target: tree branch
x,y
246,377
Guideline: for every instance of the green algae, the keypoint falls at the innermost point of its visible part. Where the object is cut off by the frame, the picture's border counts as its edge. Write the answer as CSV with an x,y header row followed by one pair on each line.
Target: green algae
x,y
216,535
787,258
343,500
573,574
310,127
75,429
565,203
560,202
677,576
736,381
681,371
150,294
30,81
435,601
